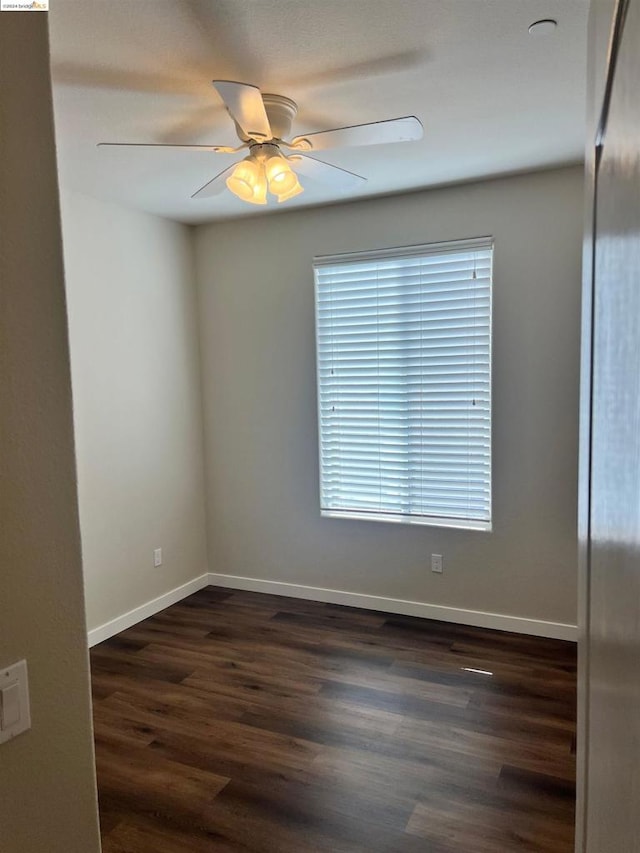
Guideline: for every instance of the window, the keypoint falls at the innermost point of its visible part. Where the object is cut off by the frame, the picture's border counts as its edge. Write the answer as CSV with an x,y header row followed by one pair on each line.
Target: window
x,y
404,384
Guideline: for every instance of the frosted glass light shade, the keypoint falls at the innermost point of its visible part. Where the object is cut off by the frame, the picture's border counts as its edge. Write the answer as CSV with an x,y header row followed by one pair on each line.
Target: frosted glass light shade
x,y
244,178
280,175
295,190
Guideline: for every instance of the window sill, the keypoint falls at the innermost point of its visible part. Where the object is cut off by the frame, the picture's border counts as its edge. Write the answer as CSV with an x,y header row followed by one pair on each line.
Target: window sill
x,y
422,521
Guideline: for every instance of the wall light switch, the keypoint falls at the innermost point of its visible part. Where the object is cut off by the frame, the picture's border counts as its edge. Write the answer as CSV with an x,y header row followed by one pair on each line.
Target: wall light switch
x,y
15,714
157,557
10,706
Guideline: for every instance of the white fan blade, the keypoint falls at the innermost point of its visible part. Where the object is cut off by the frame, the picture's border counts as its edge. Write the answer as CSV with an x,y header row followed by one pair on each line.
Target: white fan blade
x,y
215,185
336,177
406,129
217,149
245,106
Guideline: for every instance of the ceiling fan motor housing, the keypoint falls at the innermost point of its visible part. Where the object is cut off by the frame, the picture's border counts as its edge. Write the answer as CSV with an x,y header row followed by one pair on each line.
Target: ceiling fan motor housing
x,y
280,111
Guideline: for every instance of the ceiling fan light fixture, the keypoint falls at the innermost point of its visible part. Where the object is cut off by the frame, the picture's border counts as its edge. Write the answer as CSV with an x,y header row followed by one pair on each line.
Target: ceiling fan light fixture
x,y
264,169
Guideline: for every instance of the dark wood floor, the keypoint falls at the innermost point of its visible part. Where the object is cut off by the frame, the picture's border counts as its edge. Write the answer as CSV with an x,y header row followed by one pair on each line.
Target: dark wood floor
x,y
235,721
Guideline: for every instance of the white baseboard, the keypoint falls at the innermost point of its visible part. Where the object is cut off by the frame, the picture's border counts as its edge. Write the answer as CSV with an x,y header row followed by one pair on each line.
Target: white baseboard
x,y
121,623
476,618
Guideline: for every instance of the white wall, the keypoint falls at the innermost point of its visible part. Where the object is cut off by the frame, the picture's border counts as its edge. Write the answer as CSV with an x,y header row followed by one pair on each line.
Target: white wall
x,y
137,403
257,342
47,778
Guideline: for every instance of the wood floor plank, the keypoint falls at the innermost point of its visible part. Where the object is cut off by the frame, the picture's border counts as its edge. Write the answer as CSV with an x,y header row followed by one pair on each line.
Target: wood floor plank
x,y
150,784
238,721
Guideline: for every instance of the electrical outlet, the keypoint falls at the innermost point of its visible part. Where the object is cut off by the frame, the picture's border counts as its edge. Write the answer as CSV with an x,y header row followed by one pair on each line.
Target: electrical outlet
x,y
157,557
436,563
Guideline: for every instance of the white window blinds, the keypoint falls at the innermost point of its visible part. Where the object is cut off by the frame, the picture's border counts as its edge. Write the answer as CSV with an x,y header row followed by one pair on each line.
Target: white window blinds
x,y
404,384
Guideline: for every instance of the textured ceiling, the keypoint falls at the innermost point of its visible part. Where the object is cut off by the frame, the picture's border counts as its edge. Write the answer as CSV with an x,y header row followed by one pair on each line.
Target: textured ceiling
x,y
493,99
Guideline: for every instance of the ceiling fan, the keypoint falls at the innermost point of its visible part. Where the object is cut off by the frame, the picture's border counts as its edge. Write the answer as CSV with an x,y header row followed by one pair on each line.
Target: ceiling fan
x,y
263,124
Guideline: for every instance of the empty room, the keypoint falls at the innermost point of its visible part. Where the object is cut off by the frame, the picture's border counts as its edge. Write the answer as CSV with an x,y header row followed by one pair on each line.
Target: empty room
x,y
319,384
